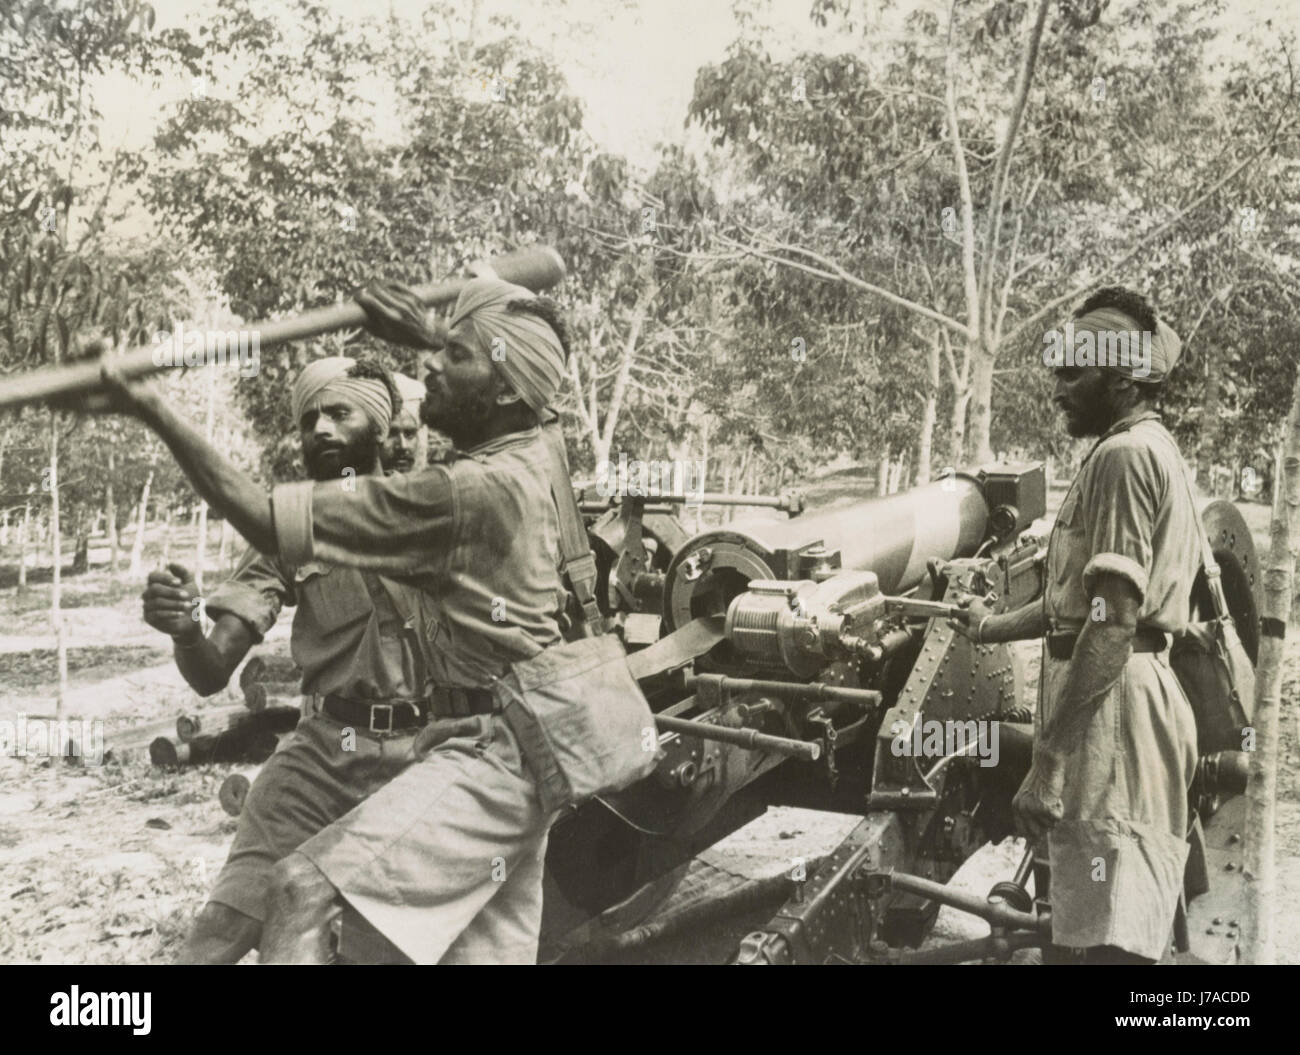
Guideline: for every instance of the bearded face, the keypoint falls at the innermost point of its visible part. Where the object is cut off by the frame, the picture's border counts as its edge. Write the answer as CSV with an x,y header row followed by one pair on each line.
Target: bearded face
x,y
337,434
461,387
1085,395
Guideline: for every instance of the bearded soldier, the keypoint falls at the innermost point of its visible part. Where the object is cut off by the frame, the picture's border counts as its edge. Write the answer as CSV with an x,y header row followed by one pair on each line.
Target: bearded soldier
x,y
348,640
1115,745
447,859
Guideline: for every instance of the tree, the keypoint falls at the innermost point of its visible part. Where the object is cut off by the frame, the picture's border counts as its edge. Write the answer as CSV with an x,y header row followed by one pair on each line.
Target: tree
x,y
888,158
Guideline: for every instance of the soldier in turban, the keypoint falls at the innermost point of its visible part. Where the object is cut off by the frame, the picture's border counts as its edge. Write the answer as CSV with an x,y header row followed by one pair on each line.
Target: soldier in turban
x,y
1115,745
446,859
347,639
402,447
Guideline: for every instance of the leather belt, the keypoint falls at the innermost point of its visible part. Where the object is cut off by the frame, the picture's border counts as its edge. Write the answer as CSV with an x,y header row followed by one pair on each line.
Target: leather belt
x,y
452,702
377,716
1060,645
394,716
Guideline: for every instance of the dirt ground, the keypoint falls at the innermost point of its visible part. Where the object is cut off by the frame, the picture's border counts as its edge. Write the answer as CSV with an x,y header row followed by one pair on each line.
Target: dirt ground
x,y
108,863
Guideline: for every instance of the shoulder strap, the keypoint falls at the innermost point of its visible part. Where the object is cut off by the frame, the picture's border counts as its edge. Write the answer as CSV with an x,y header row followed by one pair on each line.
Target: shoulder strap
x,y
1212,576
411,617
577,563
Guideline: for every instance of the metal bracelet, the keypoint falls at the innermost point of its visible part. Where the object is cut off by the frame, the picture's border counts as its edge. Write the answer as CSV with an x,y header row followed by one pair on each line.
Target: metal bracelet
x,y
979,630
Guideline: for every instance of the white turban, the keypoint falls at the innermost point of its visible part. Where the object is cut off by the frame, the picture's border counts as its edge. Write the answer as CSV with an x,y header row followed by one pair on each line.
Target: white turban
x,y
412,393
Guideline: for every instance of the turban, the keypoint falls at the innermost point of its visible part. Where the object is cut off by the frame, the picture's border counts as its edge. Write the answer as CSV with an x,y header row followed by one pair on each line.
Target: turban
x,y
411,391
1163,346
331,375
524,346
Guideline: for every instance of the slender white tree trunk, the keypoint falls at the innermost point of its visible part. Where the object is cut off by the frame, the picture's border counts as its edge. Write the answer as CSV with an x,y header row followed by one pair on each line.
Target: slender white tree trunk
x,y
201,550
137,546
1261,791
110,517
24,536
929,413
167,535
222,553
56,554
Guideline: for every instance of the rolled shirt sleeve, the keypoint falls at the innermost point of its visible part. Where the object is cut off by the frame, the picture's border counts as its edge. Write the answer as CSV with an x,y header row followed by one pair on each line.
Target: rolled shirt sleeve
x,y
397,524
255,593
1125,497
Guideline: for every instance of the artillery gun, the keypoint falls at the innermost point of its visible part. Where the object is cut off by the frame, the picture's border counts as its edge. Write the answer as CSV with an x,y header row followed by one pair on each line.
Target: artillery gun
x,y
809,662
827,631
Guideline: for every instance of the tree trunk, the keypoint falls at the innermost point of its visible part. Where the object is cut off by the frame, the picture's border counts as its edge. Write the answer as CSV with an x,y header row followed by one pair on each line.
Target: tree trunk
x,y
167,535
882,475
137,546
56,553
1261,791
631,344
981,416
929,412
110,516
225,546
24,535
704,486
201,550
4,519
201,547
1210,430
957,428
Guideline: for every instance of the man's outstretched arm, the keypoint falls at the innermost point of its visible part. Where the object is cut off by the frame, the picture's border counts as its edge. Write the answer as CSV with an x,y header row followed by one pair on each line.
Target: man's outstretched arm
x,y
982,626
396,524
219,482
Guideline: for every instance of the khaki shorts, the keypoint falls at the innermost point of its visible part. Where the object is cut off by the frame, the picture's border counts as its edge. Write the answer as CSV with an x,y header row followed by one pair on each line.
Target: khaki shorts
x,y
1118,853
309,783
446,859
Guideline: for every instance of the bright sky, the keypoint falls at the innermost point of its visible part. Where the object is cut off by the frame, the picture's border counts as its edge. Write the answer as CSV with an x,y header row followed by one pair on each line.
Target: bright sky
x,y
635,78
635,73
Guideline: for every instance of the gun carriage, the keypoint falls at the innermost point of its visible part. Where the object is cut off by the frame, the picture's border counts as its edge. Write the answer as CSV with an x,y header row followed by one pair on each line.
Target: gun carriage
x,y
795,662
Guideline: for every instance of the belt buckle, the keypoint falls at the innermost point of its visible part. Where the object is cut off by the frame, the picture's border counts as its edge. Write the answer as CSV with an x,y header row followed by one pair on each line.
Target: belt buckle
x,y
375,708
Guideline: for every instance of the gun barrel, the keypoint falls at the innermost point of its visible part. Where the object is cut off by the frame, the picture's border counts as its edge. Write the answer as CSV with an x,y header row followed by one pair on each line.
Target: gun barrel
x,y
892,537
536,268
809,751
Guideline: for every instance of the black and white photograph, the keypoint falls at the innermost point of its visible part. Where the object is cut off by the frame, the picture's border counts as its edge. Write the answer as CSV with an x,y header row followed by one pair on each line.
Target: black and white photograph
x,y
649,483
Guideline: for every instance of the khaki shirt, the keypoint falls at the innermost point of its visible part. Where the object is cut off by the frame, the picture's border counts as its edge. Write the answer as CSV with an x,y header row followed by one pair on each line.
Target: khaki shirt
x,y
478,536
1117,854
1129,513
347,638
